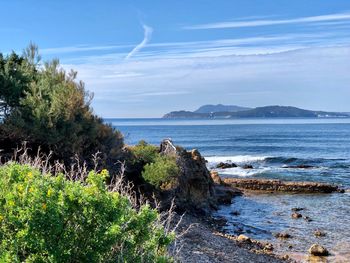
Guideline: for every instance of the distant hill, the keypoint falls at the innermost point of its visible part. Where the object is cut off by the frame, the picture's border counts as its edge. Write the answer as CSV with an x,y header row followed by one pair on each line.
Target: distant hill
x,y
259,112
220,108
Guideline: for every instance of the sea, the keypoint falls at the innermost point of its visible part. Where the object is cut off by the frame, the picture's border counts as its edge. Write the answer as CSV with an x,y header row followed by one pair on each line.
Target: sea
x,y
274,147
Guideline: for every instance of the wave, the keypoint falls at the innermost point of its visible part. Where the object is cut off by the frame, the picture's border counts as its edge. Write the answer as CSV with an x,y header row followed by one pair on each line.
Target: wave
x,y
235,159
238,171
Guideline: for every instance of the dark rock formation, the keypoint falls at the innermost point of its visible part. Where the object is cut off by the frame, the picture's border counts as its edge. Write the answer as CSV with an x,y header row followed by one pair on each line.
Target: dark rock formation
x,y
282,186
297,209
247,166
222,165
318,250
300,166
194,189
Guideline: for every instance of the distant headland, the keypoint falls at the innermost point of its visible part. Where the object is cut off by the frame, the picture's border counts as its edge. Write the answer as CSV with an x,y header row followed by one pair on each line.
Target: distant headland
x,y
220,111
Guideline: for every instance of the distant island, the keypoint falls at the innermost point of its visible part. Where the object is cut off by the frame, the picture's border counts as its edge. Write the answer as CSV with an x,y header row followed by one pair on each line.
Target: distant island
x,y
232,111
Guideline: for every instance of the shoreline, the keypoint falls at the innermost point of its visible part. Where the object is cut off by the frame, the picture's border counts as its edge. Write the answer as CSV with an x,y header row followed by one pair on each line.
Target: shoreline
x,y
260,188
204,242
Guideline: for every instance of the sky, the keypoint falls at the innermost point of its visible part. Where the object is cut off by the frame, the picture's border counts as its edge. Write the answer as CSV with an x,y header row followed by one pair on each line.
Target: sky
x,y
147,58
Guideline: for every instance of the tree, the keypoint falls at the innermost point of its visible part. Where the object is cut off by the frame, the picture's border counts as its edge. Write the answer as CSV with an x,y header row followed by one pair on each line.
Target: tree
x,y
48,107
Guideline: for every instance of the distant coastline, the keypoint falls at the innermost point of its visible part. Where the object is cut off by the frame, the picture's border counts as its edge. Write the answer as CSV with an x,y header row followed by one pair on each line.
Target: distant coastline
x,y
236,112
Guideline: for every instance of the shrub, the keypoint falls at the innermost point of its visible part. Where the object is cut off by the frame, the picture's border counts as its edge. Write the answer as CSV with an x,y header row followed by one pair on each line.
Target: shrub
x,y
50,219
144,153
161,171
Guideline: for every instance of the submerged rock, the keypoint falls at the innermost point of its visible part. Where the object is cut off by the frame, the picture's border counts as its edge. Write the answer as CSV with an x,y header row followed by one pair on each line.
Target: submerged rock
x,y
307,219
318,250
247,166
283,235
223,165
300,166
296,215
319,233
297,209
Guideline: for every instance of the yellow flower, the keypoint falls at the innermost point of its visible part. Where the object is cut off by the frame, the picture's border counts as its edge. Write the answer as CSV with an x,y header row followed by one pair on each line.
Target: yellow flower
x,y
104,173
11,203
30,175
44,206
49,192
20,188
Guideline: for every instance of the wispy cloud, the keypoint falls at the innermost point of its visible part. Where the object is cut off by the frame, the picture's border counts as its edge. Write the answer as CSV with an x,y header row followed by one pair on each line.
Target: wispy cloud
x,y
271,22
147,37
80,48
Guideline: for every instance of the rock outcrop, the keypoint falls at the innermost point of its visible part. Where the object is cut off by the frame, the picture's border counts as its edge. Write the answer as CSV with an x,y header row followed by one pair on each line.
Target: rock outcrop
x,y
281,186
194,189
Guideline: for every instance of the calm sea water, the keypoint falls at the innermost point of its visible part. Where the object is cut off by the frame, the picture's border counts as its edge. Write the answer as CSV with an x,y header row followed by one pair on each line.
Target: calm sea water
x,y
270,146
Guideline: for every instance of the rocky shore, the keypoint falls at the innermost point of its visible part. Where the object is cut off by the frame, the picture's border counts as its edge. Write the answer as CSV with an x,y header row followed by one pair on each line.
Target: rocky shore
x,y
202,242
281,186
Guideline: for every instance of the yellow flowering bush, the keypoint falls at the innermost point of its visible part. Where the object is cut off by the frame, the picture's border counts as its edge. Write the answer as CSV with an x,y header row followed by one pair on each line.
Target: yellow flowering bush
x,y
45,218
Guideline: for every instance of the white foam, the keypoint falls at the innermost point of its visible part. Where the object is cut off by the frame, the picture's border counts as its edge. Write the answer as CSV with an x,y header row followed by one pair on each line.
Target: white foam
x,y
238,171
235,159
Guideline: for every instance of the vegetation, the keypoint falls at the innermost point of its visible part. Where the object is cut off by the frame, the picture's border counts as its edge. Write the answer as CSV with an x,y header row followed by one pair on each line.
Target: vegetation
x,y
145,153
161,171
52,216
50,219
157,169
47,107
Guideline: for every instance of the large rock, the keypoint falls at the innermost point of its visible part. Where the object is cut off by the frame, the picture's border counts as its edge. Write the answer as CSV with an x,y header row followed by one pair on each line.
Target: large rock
x,y
318,250
193,188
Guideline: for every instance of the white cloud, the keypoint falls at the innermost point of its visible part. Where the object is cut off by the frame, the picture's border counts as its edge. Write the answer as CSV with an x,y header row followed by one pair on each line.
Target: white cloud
x,y
147,37
315,78
271,22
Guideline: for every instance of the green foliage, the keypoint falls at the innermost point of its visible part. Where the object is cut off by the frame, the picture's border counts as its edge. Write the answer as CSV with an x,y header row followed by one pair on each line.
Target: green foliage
x,y
50,219
47,106
161,171
144,152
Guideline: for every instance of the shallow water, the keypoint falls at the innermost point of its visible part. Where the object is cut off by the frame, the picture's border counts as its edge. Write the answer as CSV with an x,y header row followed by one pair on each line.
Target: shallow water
x,y
271,146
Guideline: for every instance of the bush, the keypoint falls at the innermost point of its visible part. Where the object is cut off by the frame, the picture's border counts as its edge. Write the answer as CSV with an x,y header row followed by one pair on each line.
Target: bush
x,y
50,219
144,153
161,171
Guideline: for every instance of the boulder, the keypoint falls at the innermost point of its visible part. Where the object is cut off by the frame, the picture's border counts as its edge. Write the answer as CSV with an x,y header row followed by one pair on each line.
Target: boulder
x,y
223,165
243,238
296,215
319,233
318,250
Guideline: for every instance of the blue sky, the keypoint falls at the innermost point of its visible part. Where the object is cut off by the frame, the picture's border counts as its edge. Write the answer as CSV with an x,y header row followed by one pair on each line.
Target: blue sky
x,y
146,58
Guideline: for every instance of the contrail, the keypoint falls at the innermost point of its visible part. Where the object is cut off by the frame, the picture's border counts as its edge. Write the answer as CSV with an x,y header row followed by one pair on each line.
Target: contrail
x,y
147,37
